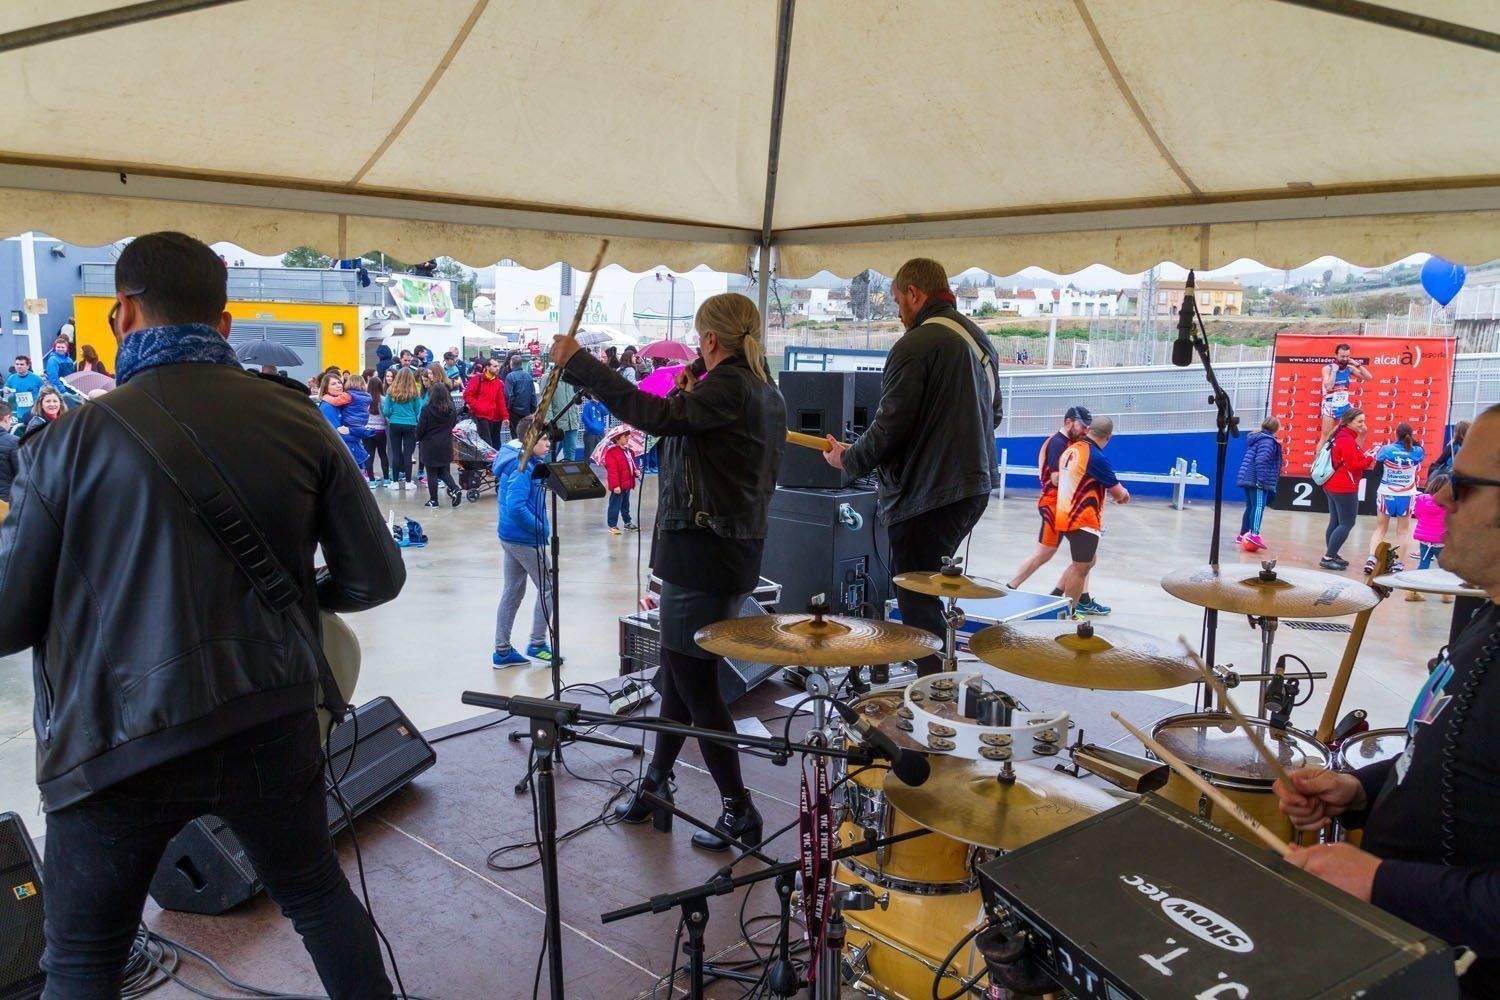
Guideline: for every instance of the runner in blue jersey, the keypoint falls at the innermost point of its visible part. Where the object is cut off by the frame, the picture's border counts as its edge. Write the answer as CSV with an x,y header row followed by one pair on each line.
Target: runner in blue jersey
x,y
1338,375
1400,461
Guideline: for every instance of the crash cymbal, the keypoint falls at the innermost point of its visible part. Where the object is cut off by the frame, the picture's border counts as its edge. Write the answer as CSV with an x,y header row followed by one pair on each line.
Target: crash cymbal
x,y
949,585
1278,592
806,641
1082,654
965,800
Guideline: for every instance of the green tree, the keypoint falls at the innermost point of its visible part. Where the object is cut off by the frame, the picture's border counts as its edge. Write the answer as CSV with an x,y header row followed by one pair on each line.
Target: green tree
x,y
1342,308
305,257
465,282
859,295
378,261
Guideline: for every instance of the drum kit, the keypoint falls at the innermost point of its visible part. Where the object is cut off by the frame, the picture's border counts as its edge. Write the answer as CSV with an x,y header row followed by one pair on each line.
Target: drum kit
x,y
992,787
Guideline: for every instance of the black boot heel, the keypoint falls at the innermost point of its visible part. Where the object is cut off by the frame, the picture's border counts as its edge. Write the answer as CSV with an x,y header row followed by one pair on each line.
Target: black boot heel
x,y
740,821
638,808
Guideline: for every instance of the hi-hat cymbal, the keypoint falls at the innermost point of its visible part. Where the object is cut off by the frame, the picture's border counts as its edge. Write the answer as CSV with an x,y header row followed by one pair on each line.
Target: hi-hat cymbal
x,y
1082,654
965,800
805,641
954,585
1281,592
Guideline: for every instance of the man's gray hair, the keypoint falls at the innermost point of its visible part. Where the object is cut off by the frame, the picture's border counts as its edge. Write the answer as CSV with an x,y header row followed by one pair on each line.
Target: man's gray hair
x,y
1102,428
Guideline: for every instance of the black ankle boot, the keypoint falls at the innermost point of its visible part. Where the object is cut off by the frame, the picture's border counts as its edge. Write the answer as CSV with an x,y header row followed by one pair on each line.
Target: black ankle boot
x,y
638,809
740,821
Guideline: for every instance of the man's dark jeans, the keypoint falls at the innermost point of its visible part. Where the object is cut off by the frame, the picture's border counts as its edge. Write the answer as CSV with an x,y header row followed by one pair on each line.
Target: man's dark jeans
x,y
918,544
267,783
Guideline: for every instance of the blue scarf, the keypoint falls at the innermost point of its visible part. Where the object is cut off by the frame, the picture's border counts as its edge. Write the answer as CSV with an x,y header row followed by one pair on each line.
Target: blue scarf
x,y
181,343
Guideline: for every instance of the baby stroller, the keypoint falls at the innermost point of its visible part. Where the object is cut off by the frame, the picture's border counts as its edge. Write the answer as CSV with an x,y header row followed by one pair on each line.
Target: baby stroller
x,y
474,457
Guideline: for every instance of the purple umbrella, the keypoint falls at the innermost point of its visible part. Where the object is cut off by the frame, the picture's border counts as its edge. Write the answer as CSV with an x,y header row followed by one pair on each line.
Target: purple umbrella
x,y
668,350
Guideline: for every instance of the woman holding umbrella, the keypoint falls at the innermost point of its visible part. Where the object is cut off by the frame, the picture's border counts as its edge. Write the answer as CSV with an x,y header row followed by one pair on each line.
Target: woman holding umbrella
x,y
721,450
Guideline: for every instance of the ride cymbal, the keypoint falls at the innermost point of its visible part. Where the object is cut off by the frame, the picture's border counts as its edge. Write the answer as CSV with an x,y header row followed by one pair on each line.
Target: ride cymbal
x,y
954,585
1274,592
966,800
808,641
1082,654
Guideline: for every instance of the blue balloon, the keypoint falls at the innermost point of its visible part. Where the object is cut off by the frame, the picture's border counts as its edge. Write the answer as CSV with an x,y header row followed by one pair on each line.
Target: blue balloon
x,y
1443,279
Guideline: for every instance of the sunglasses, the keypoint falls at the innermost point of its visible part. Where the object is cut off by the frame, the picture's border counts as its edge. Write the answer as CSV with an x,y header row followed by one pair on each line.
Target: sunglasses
x,y
1460,484
114,310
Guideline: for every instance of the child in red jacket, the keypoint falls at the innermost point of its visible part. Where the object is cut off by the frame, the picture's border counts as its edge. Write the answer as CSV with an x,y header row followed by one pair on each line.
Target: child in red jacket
x,y
619,471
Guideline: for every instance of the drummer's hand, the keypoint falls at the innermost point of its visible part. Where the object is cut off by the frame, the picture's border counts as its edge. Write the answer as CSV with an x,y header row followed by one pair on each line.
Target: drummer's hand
x,y
563,348
1318,795
1341,865
834,456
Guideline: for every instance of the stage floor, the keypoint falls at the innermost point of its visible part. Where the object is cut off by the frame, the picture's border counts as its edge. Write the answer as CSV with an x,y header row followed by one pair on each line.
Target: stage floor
x,y
461,930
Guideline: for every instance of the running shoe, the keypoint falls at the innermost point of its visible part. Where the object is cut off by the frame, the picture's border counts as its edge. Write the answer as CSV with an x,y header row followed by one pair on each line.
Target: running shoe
x,y
1240,540
431,503
541,651
1254,539
614,531
1398,567
456,497
513,658
1369,565
632,527
1334,564
1092,608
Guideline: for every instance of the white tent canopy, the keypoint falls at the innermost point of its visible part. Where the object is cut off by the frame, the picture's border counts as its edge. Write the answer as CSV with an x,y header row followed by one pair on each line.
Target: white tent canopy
x,y
1051,132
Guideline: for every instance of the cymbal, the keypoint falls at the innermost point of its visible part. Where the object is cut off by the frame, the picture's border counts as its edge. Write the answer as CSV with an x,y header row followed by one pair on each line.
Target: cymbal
x,y
1082,654
949,585
805,641
964,799
1291,592
1429,581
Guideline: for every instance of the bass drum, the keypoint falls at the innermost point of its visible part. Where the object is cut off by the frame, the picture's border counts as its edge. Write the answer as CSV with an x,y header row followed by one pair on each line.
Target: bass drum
x,y
927,885
1214,746
1362,750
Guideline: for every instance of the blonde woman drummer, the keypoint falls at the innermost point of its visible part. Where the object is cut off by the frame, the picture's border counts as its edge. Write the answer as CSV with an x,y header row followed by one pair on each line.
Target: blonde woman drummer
x,y
720,452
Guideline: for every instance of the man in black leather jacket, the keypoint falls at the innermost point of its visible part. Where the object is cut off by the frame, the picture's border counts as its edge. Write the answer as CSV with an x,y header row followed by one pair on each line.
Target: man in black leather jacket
x,y
932,442
165,687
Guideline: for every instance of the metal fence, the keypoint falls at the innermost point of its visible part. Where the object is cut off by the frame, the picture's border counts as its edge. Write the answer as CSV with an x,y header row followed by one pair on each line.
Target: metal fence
x,y
267,284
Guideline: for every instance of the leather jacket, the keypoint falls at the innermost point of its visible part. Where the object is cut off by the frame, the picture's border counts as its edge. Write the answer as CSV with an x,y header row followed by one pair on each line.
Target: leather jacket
x,y
148,641
721,447
932,441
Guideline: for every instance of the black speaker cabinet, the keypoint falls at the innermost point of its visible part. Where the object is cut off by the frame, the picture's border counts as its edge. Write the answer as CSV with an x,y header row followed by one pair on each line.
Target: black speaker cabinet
x,y
20,912
867,392
204,868
828,542
817,403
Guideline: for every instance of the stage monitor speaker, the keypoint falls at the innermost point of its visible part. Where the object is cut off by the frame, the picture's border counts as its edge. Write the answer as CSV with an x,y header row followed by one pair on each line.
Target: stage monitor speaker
x,y
204,869
640,648
828,542
817,403
21,975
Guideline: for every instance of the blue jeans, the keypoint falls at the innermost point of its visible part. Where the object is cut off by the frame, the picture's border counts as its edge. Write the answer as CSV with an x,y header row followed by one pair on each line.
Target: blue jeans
x,y
1429,553
267,782
1255,509
567,449
619,505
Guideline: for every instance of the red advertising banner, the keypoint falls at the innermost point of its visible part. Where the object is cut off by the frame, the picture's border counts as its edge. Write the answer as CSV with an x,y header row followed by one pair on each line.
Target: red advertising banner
x,y
1411,380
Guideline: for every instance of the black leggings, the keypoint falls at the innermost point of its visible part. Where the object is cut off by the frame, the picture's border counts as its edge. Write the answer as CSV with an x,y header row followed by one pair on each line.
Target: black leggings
x,y
402,442
436,472
376,446
1343,511
690,695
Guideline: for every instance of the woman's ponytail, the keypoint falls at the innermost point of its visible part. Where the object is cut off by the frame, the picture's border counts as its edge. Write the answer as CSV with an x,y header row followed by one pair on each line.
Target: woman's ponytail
x,y
735,320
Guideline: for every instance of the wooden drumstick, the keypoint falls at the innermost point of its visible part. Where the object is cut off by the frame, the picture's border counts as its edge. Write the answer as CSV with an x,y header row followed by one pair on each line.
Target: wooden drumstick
x,y
808,441
1195,779
1224,699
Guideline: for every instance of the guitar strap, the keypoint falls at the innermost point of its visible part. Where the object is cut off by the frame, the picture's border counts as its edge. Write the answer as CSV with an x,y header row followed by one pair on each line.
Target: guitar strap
x,y
981,356
196,476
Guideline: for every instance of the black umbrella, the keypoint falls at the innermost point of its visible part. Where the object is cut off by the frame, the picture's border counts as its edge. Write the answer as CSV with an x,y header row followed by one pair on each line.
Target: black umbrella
x,y
268,352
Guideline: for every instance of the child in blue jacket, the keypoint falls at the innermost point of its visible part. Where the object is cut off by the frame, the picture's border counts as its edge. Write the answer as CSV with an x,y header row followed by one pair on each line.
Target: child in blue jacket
x,y
1260,471
523,532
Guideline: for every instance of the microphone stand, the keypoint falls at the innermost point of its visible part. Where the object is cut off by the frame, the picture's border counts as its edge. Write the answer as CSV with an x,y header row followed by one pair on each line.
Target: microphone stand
x,y
548,724
1228,425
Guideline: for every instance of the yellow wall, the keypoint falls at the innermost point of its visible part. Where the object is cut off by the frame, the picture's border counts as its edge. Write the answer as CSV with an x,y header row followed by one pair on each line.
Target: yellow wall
x,y
91,312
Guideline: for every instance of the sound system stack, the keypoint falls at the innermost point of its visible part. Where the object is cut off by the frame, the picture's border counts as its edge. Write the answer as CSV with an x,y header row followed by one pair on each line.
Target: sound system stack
x,y
817,403
20,912
205,870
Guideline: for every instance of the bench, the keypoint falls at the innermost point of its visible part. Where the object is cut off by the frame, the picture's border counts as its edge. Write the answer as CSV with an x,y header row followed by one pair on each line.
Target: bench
x,y
1180,476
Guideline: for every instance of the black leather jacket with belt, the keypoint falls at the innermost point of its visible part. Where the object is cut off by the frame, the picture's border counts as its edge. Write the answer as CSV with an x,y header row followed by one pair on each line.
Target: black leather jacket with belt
x,y
148,641
722,443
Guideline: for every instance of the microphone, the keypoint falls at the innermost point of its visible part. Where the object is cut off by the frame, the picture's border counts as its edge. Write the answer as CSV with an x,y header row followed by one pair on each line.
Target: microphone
x,y
908,765
1182,347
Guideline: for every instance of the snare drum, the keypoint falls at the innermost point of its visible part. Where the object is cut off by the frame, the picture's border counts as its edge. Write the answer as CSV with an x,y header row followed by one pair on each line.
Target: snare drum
x,y
933,865
1360,750
1214,746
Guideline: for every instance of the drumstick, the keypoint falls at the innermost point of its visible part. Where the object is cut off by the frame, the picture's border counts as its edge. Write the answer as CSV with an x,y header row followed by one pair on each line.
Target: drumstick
x,y
1224,699
808,441
1195,779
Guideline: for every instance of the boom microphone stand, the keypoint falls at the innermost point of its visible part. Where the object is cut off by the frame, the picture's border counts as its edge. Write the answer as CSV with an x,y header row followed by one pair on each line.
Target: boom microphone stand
x,y
1190,325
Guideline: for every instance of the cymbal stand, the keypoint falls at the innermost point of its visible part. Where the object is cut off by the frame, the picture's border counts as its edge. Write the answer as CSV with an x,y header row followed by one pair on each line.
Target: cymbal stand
x,y
1267,628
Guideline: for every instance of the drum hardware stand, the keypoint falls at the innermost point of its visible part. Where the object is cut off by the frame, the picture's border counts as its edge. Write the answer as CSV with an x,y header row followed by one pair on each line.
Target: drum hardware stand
x,y
831,987
953,616
1228,426
554,582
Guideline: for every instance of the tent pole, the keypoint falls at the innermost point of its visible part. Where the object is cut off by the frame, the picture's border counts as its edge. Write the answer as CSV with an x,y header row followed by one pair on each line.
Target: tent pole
x,y
763,289
778,108
86,24
1388,17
